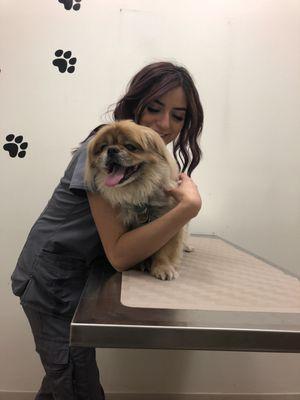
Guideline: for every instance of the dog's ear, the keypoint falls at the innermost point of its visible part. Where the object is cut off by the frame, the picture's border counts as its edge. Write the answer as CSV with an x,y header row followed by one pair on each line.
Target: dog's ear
x,y
152,141
156,143
89,177
90,164
94,147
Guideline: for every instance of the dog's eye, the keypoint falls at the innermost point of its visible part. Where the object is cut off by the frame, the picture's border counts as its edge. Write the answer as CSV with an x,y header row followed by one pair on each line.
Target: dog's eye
x,y
130,147
99,149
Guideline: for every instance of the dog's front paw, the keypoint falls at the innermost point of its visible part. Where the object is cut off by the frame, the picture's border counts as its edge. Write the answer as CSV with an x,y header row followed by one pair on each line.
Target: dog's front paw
x,y
188,248
165,272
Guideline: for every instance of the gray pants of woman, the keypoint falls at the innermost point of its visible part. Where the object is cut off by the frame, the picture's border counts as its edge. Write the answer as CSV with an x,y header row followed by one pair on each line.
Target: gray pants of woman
x,y
71,372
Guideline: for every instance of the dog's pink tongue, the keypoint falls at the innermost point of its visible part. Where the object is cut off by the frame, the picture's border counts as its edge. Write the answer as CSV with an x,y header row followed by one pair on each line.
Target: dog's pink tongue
x,y
114,177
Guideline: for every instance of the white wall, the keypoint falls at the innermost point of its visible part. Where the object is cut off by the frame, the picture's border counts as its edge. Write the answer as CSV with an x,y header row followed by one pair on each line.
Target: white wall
x,y
245,59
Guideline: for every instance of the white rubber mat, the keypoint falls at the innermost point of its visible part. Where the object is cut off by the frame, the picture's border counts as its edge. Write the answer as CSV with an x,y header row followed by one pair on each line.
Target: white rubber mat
x,y
216,276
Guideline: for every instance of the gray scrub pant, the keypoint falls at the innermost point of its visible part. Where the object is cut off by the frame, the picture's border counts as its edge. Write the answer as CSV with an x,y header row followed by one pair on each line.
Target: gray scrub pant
x,y
71,372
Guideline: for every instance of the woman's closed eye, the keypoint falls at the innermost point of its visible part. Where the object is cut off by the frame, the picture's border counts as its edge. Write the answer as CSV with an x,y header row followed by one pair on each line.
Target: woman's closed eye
x,y
178,117
157,110
152,109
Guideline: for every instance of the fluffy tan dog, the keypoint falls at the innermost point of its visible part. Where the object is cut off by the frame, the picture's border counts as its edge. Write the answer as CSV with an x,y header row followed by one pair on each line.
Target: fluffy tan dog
x,y
130,166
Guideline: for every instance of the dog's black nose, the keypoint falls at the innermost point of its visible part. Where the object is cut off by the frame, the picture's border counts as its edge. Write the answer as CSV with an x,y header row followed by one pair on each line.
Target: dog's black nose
x,y
112,150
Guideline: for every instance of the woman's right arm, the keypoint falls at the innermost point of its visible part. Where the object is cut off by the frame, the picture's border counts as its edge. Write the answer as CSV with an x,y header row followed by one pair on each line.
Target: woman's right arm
x,y
124,249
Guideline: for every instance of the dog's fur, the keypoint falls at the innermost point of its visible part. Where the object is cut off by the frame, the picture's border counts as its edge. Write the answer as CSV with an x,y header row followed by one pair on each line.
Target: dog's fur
x,y
124,149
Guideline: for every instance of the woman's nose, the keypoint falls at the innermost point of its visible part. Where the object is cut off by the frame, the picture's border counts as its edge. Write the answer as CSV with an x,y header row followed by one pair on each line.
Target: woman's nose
x,y
164,121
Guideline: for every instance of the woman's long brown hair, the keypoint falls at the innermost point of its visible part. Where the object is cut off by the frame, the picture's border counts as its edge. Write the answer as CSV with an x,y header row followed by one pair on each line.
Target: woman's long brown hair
x,y
152,82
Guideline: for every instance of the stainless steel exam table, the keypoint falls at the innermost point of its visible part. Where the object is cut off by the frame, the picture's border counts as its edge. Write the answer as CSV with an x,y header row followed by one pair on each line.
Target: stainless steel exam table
x,y
224,299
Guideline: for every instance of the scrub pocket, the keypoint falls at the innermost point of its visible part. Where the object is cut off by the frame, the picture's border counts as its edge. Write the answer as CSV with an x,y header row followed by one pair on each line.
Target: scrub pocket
x,y
56,284
71,372
51,336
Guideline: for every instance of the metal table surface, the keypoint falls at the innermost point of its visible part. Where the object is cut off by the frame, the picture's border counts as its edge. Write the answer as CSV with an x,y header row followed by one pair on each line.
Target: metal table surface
x,y
102,321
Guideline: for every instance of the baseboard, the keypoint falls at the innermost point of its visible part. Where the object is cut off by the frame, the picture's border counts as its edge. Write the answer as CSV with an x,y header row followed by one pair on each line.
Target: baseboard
x,y
4,395
204,396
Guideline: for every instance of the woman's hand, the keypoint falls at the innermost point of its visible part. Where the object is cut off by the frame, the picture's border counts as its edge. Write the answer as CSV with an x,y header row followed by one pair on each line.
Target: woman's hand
x,y
187,193
120,244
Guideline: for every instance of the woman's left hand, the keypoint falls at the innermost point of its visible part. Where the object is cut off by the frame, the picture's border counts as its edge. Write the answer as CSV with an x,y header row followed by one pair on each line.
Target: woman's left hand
x,y
186,192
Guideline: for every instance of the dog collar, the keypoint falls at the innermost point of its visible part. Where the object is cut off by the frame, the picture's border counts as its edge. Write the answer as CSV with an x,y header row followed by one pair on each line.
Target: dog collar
x,y
143,211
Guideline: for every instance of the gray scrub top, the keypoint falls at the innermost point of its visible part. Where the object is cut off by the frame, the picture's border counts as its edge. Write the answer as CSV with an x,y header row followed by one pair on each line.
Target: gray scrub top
x,y
61,247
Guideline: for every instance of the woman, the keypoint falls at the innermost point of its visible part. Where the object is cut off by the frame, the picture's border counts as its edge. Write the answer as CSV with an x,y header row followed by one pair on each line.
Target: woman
x,y
78,230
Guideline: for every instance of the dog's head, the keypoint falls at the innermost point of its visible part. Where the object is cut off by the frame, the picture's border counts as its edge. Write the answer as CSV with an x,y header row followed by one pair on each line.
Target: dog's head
x,y
123,152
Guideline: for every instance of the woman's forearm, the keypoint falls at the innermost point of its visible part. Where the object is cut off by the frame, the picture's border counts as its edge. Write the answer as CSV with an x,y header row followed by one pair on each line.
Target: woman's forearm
x,y
137,245
124,249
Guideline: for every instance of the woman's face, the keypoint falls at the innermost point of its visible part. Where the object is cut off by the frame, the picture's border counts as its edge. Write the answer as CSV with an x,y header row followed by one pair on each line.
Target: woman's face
x,y
166,114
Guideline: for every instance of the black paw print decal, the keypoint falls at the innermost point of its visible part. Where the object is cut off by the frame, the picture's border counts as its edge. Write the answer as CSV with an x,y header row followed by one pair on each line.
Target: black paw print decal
x,y
15,146
62,62
69,4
